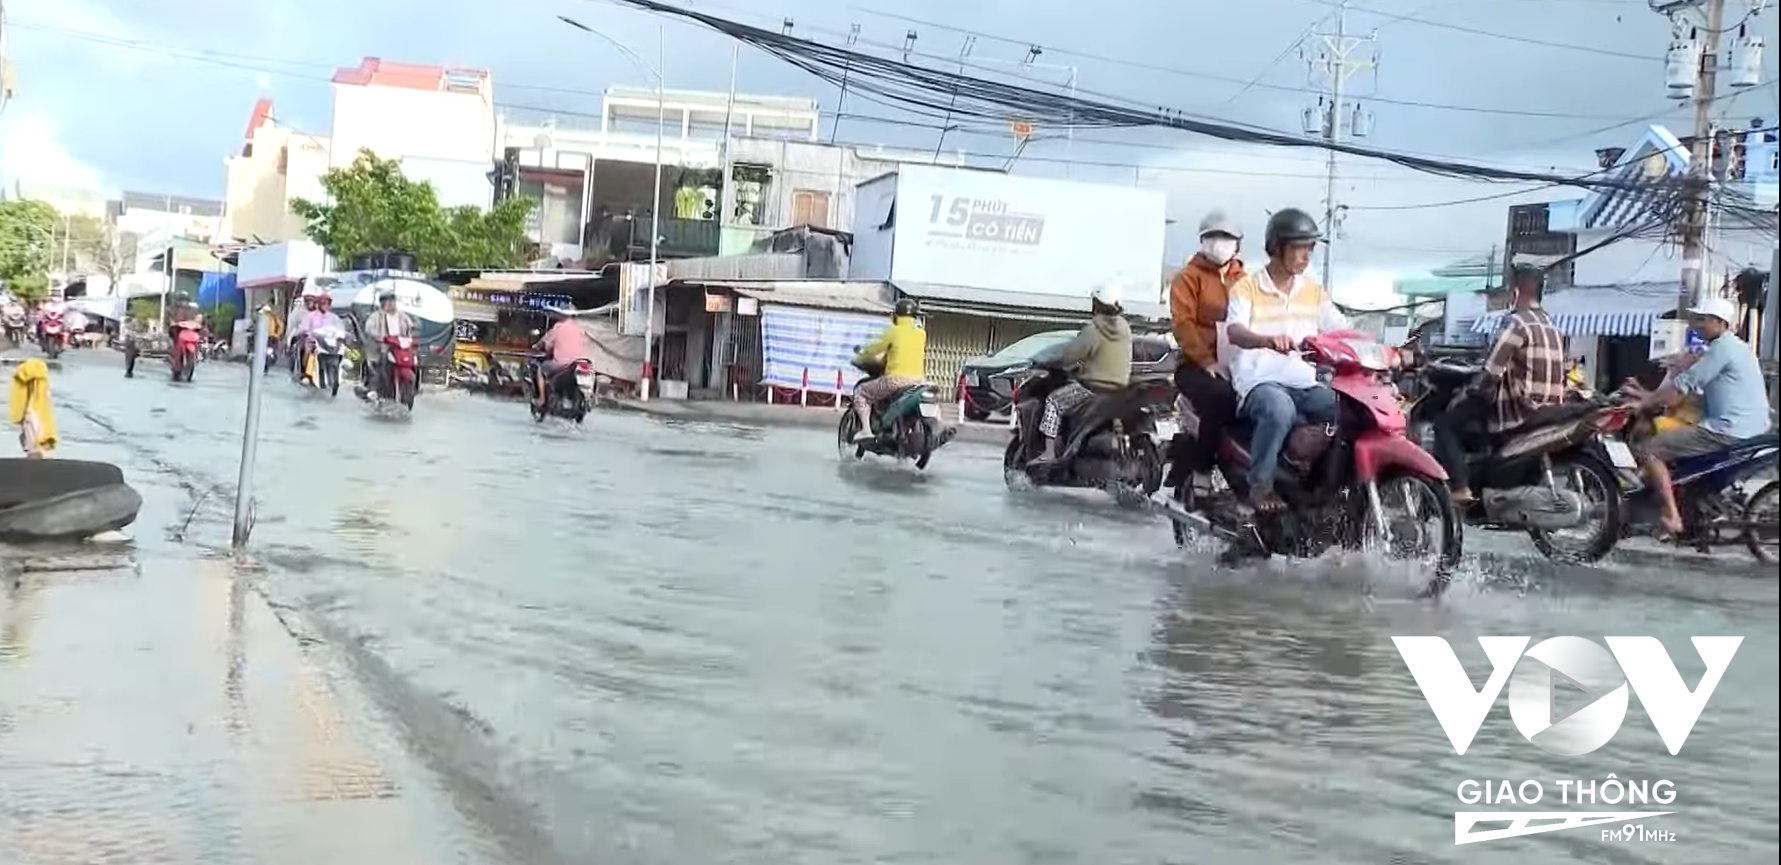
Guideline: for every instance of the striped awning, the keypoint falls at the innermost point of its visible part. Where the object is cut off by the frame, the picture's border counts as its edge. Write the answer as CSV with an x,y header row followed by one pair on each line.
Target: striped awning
x,y
1598,310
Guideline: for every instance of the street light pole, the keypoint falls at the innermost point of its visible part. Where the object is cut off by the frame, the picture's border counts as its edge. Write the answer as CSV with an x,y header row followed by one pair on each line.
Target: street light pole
x,y
655,211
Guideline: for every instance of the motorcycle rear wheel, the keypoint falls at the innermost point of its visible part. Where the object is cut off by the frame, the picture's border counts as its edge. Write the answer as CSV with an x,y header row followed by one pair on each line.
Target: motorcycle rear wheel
x,y
1759,511
1585,472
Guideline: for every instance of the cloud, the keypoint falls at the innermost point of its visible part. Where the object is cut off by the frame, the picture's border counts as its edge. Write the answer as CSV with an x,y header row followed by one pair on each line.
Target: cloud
x,y
32,154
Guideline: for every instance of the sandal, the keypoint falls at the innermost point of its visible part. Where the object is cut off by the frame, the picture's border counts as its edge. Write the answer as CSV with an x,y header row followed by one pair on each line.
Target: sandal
x,y
1267,503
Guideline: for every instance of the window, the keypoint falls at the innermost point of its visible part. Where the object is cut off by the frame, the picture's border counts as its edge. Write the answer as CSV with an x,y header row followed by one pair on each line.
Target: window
x,y
810,207
752,182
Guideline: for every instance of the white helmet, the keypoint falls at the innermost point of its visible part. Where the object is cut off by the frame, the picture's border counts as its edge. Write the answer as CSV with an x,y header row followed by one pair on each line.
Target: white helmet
x,y
1108,294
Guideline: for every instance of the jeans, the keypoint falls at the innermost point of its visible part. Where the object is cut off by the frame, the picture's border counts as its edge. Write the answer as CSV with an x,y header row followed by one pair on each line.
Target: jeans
x,y
1457,430
1275,410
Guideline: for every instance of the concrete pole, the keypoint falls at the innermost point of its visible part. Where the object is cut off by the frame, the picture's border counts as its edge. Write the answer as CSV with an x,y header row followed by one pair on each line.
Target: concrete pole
x,y
1700,175
250,434
655,215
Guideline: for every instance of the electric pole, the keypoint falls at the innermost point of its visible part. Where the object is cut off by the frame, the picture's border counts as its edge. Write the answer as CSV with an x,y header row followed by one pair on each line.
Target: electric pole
x,y
1339,58
1700,157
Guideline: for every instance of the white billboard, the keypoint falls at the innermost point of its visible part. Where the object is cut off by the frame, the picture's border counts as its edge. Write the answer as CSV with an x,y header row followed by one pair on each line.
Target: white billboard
x,y
988,230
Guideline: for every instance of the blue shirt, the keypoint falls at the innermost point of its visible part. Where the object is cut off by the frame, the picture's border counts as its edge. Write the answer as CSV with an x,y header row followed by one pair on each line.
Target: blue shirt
x,y
1734,400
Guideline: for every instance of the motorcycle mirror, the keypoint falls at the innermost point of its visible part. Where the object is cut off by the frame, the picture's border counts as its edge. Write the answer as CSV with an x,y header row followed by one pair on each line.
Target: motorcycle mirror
x,y
537,332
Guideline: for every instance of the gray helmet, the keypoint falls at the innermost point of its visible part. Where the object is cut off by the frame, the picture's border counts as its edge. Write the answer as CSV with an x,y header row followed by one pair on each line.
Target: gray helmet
x,y
1291,225
1217,222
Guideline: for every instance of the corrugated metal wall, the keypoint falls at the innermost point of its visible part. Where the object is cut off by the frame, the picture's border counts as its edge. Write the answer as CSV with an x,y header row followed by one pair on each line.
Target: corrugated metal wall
x,y
954,339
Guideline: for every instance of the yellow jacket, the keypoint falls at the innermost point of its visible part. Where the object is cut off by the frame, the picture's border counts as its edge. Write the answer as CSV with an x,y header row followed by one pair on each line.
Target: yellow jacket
x,y
904,347
28,406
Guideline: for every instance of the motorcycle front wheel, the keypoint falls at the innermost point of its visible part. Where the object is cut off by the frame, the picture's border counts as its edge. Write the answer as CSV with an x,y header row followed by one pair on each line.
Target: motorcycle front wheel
x,y
1423,523
405,388
1595,483
849,427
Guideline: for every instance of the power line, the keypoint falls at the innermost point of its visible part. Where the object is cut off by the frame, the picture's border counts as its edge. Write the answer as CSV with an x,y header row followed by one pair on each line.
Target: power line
x,y
1507,37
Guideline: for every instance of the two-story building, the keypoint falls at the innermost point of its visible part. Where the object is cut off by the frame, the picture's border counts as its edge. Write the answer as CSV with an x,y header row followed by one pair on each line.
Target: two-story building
x,y
596,186
438,121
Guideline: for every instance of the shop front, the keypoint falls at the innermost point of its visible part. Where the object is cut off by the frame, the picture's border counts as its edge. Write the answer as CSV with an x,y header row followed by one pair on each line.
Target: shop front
x,y
498,325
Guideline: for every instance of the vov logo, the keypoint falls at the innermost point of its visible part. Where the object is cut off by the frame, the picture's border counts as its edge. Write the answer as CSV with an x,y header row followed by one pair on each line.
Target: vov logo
x,y
1585,666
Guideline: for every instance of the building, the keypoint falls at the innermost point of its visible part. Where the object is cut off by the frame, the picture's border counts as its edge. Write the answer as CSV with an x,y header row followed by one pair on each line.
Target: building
x,y
777,184
276,164
595,185
994,258
159,221
438,121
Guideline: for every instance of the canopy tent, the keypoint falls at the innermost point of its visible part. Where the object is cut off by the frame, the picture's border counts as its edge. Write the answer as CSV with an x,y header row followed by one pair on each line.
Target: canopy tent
x,y
1606,310
814,347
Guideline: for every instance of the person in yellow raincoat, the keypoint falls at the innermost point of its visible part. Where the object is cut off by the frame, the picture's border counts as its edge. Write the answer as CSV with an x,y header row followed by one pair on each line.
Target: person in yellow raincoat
x,y
28,406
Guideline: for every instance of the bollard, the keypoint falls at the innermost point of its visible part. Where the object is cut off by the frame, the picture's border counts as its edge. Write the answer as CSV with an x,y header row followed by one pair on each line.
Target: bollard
x,y
838,387
643,385
1014,404
250,436
804,389
961,399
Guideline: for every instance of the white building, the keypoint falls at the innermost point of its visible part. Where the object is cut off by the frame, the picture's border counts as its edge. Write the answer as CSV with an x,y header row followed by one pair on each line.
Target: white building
x,y
159,221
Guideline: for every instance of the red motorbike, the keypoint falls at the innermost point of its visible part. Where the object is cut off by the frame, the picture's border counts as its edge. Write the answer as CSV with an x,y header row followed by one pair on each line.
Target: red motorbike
x,y
398,378
183,354
1357,481
51,336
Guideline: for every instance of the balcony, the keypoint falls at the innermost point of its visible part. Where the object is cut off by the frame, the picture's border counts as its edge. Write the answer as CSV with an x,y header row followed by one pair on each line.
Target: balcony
x,y
681,238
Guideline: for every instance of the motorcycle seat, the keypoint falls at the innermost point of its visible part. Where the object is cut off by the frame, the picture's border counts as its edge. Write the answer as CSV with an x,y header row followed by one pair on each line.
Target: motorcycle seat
x,y
1448,374
1563,412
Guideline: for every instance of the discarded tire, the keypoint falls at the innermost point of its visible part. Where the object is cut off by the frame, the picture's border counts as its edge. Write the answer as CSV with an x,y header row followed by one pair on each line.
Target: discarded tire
x,y
25,480
71,516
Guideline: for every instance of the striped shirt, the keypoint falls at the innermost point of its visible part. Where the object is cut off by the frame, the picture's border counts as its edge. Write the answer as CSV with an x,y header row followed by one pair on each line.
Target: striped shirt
x,y
1528,363
1303,310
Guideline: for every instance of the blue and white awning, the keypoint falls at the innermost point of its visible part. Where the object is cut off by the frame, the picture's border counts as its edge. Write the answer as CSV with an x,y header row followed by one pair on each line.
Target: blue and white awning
x,y
1599,310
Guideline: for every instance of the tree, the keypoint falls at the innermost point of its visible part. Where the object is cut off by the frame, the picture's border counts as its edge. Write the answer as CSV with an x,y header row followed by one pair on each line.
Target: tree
x,y
221,318
372,207
27,235
100,248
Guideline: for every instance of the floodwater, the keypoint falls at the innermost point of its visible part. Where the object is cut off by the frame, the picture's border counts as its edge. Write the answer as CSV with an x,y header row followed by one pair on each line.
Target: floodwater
x,y
642,642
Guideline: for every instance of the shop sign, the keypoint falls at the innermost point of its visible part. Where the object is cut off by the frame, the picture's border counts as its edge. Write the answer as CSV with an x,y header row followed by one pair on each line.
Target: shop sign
x,y
513,299
717,301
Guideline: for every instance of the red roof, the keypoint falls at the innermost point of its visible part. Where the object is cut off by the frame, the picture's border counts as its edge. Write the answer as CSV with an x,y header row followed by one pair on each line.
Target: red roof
x,y
262,111
376,72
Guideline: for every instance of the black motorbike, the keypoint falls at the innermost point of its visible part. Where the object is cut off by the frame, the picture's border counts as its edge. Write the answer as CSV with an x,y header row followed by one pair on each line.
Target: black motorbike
x,y
1560,471
563,395
1108,442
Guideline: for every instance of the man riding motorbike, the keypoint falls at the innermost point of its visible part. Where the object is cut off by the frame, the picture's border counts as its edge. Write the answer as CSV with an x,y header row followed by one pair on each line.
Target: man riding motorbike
x,y
1526,370
564,344
1270,311
1197,299
1100,354
1734,403
388,320
903,347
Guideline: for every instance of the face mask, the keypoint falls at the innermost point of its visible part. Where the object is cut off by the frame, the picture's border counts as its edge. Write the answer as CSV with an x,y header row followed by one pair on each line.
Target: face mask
x,y
1219,249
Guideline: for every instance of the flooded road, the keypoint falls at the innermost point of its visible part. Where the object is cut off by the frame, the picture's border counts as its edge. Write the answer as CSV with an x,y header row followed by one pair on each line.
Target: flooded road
x,y
643,642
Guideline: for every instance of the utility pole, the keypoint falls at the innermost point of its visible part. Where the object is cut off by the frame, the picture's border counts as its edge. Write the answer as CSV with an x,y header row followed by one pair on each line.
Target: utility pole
x,y
1700,157
1338,59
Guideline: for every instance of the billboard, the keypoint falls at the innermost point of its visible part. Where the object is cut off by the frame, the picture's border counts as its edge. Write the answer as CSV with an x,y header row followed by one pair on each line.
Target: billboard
x,y
988,230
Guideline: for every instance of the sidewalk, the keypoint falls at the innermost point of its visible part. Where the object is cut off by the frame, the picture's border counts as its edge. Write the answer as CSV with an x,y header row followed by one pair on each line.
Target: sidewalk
x,y
153,709
763,414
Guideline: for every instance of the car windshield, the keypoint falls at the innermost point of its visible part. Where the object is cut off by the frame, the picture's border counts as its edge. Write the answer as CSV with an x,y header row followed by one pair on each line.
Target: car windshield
x,y
1026,348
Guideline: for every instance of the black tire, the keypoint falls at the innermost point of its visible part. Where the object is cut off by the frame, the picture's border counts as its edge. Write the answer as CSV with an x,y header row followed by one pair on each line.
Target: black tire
x,y
27,480
918,440
1592,471
1759,511
1183,496
405,393
974,413
1153,465
1452,528
1012,466
844,433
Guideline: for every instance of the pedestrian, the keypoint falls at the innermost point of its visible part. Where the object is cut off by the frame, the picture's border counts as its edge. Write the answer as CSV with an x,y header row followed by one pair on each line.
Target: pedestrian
x,y
28,405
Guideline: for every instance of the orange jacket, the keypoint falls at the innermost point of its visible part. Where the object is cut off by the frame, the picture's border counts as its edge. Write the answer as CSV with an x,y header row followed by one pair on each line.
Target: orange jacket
x,y
1197,298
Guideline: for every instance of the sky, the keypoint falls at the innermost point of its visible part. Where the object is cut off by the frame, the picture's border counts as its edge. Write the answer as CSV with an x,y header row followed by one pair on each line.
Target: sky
x,y
152,97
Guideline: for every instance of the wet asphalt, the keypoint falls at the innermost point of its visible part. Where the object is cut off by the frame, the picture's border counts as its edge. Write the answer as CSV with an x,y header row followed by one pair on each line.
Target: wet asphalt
x,y
651,641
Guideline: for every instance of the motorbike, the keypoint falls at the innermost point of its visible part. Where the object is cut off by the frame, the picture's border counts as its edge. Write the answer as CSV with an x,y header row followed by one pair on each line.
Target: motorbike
x,y
1561,470
53,339
15,329
397,378
563,393
1336,479
320,364
1716,511
494,379
906,426
1110,442
182,356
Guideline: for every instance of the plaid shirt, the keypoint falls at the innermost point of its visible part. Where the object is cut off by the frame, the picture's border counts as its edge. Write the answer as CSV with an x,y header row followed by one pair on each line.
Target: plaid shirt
x,y
1528,364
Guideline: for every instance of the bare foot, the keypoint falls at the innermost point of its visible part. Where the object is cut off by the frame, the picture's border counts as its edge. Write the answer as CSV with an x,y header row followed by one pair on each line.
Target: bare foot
x,y
1266,502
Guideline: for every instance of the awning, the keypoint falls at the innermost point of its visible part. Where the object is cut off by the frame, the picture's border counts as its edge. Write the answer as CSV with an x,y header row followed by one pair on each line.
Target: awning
x,y
1621,310
864,295
1017,305
467,310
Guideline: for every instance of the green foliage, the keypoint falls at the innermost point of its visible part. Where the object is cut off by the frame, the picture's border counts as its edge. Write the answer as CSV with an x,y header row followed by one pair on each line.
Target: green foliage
x,y
221,318
28,231
372,207
143,309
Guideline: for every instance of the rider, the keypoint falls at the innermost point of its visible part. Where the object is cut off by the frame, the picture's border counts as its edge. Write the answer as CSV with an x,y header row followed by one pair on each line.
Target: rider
x,y
1101,357
1197,297
1270,311
1734,404
903,347
1526,370
320,318
388,320
564,344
